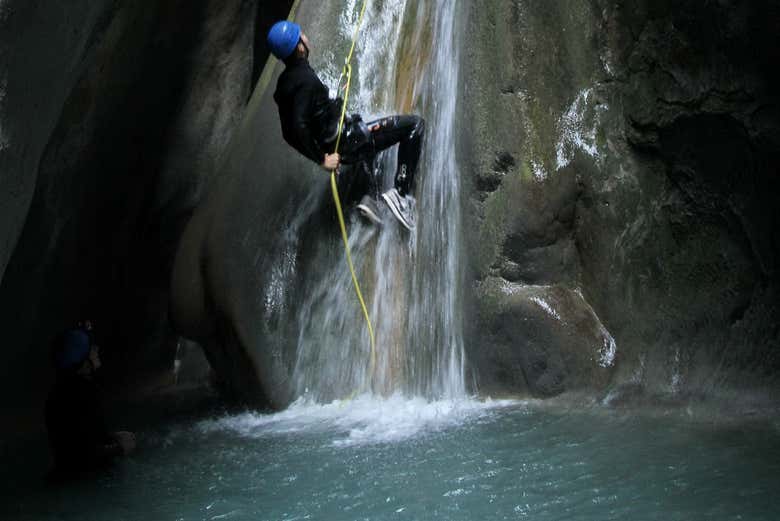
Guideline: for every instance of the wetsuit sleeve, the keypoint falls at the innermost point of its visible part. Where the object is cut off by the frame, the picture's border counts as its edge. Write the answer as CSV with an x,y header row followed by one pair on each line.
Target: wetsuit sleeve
x,y
305,142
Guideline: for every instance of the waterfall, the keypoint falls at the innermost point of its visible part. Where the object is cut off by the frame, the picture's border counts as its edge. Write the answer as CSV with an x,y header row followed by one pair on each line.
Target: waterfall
x,y
406,62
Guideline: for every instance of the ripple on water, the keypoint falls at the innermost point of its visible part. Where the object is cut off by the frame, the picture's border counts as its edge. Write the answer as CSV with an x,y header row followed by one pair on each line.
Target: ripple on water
x,y
456,460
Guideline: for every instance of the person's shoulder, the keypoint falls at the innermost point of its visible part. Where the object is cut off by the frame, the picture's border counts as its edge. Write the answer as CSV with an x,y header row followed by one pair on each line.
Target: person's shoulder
x,y
302,70
296,77
289,76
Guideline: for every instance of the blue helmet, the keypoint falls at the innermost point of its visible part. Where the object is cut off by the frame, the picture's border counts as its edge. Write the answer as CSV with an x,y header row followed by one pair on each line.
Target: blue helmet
x,y
71,349
283,38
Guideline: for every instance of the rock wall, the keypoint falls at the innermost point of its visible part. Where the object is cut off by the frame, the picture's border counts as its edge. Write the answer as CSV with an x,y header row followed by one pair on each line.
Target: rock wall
x,y
621,223
113,116
626,152
33,61
229,282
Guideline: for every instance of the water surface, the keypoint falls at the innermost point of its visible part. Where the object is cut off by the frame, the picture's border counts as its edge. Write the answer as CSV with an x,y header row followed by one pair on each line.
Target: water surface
x,y
411,459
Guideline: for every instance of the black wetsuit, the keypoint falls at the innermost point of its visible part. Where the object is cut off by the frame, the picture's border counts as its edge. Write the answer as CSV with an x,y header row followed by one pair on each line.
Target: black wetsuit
x,y
77,432
309,119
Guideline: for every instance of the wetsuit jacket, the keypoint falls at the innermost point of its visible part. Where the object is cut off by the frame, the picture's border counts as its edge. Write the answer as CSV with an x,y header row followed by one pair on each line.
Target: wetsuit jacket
x,y
77,432
309,117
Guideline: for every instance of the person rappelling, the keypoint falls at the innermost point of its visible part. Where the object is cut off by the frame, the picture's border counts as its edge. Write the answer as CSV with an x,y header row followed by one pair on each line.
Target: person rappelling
x,y
310,124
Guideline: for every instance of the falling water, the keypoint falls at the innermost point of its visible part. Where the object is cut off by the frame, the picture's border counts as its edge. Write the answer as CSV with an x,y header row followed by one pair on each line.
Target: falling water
x,y
411,281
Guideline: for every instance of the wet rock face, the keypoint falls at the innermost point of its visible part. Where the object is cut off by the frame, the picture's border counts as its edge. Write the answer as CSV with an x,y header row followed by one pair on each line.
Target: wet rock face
x,y
541,339
32,61
254,232
113,116
630,152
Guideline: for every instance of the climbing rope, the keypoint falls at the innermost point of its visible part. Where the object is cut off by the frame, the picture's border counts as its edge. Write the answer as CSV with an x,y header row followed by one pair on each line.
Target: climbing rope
x,y
346,73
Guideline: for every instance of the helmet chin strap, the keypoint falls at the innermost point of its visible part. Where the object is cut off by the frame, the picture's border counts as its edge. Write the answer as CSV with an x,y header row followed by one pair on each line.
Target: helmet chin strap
x,y
305,47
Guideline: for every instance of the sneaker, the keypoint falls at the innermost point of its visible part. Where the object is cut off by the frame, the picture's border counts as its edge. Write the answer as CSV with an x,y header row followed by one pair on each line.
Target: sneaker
x,y
401,208
369,210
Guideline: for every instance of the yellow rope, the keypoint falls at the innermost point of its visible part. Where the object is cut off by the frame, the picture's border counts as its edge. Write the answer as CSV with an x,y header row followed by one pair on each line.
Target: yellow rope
x,y
347,73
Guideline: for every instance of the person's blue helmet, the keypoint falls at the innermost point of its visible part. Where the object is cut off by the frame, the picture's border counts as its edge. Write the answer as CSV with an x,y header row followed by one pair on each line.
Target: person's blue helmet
x,y
283,38
71,349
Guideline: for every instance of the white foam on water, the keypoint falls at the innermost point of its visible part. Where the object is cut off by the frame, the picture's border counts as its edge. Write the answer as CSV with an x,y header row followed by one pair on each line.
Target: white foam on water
x,y
364,420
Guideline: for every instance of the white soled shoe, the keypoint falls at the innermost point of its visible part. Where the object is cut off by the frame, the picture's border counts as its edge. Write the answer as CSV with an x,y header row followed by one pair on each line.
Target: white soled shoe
x,y
402,208
369,210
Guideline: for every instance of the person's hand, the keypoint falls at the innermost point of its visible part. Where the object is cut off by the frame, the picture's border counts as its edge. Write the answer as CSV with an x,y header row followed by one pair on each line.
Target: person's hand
x,y
126,440
331,162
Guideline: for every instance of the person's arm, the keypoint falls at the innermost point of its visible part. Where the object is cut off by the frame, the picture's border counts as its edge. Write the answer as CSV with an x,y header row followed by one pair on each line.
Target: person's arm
x,y
305,142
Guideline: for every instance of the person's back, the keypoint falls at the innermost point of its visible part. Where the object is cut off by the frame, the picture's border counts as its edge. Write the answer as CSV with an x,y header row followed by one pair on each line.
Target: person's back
x,y
309,118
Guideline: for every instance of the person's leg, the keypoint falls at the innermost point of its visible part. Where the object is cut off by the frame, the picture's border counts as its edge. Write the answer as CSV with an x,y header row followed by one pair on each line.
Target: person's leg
x,y
356,180
408,132
357,186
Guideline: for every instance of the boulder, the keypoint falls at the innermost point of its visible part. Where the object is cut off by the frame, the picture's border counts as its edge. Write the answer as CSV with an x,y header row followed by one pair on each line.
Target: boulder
x,y
540,339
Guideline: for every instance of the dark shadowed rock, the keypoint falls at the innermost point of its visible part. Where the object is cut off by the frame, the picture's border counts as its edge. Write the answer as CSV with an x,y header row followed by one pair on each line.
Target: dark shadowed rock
x,y
644,140
543,339
41,50
233,252
115,115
